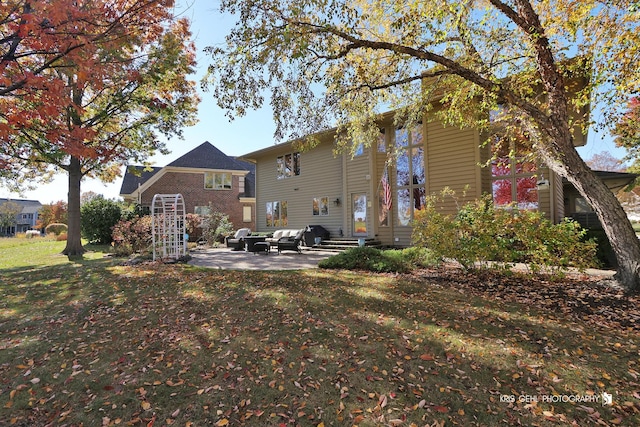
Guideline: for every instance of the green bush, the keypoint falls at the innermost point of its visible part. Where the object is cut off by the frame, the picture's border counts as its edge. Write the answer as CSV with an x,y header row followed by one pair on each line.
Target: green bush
x,y
97,218
133,235
215,226
479,233
380,261
56,228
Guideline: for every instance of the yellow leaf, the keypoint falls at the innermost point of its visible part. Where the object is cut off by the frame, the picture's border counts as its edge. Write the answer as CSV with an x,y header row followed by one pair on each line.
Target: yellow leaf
x,y
222,422
145,405
606,376
515,376
320,425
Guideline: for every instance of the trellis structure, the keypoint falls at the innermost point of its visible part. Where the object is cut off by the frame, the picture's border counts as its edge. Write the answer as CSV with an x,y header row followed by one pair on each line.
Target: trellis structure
x,y
168,226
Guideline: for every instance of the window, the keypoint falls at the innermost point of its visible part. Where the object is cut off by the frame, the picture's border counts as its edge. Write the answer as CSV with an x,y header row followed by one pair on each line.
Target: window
x,y
359,151
320,206
202,210
277,214
513,176
410,173
217,180
382,142
246,214
241,185
288,165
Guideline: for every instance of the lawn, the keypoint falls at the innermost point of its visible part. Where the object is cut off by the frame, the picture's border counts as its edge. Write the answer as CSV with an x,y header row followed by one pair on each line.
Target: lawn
x,y
96,343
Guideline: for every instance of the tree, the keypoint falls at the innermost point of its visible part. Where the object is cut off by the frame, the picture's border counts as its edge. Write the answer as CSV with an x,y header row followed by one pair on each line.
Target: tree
x,y
102,104
99,216
342,61
8,213
605,161
627,131
51,214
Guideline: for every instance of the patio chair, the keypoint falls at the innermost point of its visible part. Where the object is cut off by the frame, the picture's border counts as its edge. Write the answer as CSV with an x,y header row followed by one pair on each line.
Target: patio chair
x,y
291,243
237,241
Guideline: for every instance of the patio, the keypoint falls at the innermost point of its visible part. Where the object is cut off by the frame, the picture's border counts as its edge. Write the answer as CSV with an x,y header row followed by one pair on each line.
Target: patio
x,y
227,259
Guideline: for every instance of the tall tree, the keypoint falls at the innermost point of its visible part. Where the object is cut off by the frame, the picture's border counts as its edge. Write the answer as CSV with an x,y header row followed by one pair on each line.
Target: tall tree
x,y
627,131
9,211
53,213
345,60
605,161
102,104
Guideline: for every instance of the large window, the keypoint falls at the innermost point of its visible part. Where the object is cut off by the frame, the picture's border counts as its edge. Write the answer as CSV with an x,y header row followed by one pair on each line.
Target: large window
x,y
288,165
277,214
513,176
217,180
410,173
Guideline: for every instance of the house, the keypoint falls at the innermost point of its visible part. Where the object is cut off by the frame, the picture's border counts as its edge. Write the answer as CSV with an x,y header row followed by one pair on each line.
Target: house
x,y
577,208
375,193
204,176
25,218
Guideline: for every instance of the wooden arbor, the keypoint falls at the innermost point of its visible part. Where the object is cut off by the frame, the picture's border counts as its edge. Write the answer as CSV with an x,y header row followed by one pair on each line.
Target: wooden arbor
x,y
168,226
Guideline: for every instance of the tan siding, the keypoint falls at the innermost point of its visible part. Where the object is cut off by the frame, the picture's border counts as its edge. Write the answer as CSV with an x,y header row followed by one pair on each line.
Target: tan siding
x,y
320,176
452,161
544,196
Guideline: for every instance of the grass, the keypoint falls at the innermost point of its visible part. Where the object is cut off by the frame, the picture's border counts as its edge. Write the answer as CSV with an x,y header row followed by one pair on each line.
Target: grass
x,y
95,343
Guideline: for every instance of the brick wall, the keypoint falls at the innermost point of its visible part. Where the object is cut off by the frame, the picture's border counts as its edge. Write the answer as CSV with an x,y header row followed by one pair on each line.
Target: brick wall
x,y
191,186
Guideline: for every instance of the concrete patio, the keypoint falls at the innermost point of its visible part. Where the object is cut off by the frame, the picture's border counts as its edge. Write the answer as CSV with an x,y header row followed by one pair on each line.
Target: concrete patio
x,y
227,259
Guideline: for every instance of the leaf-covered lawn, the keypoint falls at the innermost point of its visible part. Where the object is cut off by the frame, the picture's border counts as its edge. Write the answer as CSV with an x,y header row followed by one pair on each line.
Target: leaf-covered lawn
x,y
101,344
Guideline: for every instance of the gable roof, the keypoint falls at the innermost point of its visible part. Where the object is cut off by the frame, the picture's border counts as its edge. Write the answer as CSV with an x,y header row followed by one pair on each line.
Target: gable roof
x,y
135,176
206,156
28,206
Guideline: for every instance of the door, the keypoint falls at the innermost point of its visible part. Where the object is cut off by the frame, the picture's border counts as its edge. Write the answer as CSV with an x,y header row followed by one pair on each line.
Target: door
x,y
359,214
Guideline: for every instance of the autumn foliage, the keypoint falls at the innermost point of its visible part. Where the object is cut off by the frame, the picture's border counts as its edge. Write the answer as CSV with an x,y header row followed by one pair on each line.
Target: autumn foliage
x,y
481,233
87,86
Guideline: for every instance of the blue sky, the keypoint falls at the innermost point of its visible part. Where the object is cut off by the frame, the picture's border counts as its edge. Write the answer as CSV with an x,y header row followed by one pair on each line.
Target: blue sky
x,y
241,136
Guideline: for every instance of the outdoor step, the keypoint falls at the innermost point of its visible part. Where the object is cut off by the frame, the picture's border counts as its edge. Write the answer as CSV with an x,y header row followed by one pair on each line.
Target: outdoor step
x,y
343,244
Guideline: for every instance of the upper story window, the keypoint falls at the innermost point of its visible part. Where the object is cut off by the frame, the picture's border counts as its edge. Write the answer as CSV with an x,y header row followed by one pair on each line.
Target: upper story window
x,y
288,165
217,180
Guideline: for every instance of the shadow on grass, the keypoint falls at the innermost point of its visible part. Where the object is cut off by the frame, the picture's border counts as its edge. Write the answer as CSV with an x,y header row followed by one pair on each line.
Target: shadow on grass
x,y
299,348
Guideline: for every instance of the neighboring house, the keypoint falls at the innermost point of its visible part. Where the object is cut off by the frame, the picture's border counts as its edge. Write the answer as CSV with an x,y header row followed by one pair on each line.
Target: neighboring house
x,y
576,206
376,193
204,176
25,219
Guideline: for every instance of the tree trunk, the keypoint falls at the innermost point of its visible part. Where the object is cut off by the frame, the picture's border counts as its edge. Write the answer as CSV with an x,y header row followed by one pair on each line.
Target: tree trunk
x,y
616,225
74,243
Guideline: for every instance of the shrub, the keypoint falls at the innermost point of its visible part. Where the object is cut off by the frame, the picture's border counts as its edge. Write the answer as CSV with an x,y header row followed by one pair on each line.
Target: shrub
x,y
62,237
134,235
216,225
192,224
480,233
56,228
380,261
97,218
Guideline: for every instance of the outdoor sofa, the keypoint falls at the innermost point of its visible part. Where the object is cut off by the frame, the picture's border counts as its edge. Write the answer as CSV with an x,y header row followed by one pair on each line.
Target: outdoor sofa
x,y
279,234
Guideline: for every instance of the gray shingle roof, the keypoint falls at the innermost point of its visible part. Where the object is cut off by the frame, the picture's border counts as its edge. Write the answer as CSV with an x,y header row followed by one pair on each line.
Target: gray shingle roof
x,y
206,156
28,206
134,176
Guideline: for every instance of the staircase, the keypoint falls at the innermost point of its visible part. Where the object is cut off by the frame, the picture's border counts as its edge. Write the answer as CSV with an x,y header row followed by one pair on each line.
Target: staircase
x,y
342,244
